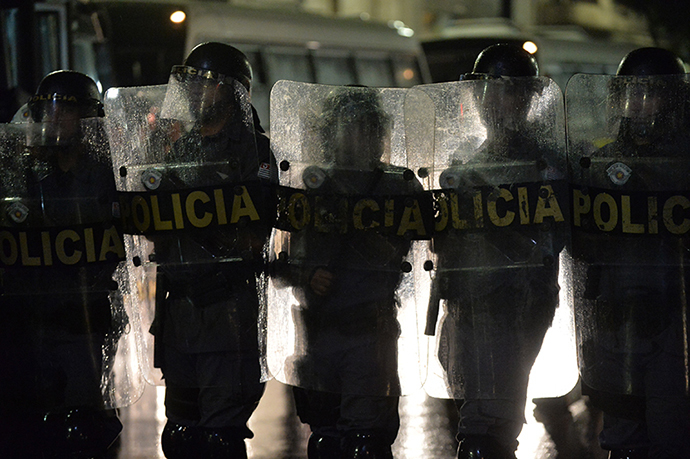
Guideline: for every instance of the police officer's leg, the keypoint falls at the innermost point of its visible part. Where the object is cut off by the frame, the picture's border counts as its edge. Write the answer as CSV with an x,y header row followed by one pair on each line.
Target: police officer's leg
x,y
667,403
20,410
181,436
230,390
74,365
519,315
489,427
624,431
624,437
179,441
321,411
489,420
370,422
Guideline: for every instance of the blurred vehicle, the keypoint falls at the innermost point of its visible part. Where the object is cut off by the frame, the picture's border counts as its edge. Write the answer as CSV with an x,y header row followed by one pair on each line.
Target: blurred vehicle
x,y
135,43
452,51
561,51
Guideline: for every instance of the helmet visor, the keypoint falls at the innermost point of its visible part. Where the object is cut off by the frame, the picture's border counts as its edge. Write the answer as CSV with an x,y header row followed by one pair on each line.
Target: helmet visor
x,y
506,102
197,95
56,123
52,107
640,100
648,106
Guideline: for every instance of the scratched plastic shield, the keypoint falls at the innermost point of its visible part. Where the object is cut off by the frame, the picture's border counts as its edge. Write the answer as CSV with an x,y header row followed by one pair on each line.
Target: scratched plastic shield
x,y
498,179
68,329
630,169
348,251
190,203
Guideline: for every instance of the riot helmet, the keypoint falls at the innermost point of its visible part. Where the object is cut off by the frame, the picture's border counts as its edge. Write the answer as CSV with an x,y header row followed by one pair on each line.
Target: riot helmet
x,y
206,81
647,82
353,128
650,61
222,59
62,99
507,81
505,60
68,89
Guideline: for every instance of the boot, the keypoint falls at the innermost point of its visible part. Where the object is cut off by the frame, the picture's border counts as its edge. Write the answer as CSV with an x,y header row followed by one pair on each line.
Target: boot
x,y
635,453
483,448
366,446
80,432
180,442
323,447
222,443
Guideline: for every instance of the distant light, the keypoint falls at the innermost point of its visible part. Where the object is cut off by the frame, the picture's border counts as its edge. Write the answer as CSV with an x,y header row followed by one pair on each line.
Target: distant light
x,y
408,74
405,32
530,47
313,45
178,17
401,28
364,16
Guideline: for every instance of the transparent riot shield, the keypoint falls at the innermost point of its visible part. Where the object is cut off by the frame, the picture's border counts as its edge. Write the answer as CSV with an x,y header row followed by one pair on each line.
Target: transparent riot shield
x,y
351,215
498,177
193,211
630,167
67,332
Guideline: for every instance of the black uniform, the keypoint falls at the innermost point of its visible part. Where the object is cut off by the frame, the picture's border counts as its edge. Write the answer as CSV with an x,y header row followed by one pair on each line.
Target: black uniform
x,y
514,303
630,247
351,332
208,328
59,330
342,255
501,207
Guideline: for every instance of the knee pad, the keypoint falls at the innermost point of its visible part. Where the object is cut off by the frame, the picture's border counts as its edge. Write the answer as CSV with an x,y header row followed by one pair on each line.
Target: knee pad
x,y
366,446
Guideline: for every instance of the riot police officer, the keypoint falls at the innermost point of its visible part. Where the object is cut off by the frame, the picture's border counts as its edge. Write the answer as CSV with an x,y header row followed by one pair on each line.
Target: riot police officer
x,y
207,311
497,240
61,317
630,277
343,267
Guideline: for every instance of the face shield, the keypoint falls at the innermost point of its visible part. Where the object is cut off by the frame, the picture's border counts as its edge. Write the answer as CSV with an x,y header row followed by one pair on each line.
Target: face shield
x,y
504,102
355,135
202,96
642,103
357,145
56,120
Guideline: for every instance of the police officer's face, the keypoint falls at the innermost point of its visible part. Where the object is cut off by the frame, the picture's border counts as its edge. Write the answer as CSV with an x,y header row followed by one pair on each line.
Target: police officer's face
x,y
357,144
641,103
641,110
503,105
60,124
210,100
